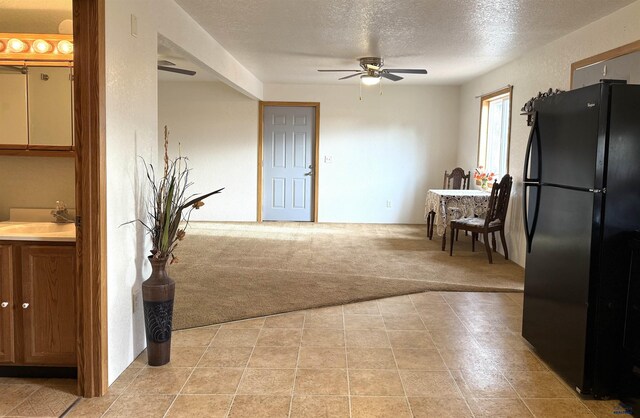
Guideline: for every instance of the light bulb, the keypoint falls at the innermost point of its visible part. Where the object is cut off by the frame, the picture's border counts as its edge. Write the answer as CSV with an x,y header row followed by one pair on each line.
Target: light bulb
x,y
369,80
16,45
65,47
41,46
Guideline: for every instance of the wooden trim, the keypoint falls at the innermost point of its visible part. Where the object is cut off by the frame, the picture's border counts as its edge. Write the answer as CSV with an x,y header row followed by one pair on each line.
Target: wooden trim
x,y
483,99
605,56
49,148
89,128
38,153
13,147
260,151
316,165
316,157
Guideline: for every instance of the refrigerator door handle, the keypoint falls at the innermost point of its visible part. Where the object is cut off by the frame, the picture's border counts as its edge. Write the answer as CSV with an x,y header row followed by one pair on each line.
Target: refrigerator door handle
x,y
527,158
529,231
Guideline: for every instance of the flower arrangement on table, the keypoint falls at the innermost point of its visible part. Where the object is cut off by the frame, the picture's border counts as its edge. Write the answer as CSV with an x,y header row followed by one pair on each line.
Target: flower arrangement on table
x,y
482,177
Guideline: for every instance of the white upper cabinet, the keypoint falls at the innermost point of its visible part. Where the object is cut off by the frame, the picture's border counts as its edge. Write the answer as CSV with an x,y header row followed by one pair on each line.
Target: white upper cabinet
x,y
13,106
50,106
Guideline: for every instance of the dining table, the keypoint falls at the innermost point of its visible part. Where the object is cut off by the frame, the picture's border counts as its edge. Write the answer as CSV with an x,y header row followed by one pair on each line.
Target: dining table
x,y
447,204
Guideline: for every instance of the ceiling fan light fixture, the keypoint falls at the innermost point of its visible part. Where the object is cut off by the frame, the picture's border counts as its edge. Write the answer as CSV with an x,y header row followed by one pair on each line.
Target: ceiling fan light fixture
x,y
369,80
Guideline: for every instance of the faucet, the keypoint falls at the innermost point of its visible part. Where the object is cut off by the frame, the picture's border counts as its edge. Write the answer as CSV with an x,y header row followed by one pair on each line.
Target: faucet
x,y
61,213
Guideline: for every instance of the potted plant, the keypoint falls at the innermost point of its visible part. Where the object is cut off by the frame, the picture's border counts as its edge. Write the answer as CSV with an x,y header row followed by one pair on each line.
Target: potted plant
x,y
169,209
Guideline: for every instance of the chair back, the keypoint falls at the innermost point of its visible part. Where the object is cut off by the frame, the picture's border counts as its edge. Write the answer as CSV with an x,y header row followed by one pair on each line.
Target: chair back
x,y
499,200
457,179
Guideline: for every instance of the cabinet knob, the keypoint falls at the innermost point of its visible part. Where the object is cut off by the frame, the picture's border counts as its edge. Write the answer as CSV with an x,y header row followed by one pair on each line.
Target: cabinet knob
x,y
25,305
4,304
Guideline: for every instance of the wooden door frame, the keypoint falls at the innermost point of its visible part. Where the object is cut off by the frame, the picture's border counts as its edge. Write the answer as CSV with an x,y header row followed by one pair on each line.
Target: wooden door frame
x,y
316,151
605,56
89,129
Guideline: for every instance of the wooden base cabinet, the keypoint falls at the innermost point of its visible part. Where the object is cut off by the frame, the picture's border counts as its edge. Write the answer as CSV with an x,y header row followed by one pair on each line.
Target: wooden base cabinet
x,y
6,305
39,328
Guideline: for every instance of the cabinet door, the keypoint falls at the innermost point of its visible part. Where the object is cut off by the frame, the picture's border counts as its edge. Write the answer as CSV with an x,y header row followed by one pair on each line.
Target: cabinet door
x,y
50,108
7,305
13,107
48,305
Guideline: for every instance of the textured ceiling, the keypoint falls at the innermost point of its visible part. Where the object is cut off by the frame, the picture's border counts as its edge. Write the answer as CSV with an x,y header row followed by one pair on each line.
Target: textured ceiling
x,y
285,41
33,16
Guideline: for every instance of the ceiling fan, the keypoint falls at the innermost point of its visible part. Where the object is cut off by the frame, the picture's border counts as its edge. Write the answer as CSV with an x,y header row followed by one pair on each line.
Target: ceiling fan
x,y
164,65
372,71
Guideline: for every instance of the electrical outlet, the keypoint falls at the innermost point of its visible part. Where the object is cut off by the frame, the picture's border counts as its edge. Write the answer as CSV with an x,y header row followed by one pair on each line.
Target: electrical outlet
x,y
388,203
328,159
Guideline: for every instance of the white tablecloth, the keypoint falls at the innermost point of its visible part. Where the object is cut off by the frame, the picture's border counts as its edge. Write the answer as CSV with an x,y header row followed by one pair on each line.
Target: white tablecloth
x,y
469,202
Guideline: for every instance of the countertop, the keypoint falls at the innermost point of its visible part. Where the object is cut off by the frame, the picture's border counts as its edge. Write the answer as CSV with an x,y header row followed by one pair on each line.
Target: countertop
x,y
37,231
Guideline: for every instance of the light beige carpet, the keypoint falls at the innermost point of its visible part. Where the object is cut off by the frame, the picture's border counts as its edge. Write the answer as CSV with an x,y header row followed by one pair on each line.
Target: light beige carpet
x,y
231,271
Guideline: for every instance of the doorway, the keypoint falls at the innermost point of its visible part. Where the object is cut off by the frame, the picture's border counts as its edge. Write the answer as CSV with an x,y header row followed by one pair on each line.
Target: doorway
x,y
288,147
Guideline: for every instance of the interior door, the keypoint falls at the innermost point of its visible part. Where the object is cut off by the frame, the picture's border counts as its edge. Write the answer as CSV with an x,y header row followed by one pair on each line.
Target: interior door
x,y
48,305
288,155
6,305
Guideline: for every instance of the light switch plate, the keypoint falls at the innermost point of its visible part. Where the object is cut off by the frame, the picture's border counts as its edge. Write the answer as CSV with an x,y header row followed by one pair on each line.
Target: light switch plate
x,y
328,159
134,25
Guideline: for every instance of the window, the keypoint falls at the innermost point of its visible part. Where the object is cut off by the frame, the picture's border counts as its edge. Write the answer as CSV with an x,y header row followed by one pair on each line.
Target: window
x,y
495,130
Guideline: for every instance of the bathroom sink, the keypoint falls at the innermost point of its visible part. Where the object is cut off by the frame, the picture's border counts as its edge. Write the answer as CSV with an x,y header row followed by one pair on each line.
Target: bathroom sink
x,y
37,231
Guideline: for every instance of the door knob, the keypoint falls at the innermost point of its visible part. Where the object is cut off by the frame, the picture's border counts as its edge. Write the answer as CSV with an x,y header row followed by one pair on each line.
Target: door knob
x,y
4,304
25,305
309,173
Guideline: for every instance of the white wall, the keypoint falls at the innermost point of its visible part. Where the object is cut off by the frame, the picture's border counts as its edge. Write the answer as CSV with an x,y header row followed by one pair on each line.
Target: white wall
x,y
390,147
538,70
131,131
131,112
35,182
217,128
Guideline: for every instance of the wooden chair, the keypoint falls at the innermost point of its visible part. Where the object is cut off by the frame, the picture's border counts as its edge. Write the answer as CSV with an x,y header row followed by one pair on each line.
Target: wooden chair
x,y
493,221
456,180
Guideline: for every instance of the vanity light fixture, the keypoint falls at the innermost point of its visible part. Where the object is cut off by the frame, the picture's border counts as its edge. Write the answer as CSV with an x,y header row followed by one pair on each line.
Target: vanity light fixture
x,y
41,46
36,47
16,45
65,47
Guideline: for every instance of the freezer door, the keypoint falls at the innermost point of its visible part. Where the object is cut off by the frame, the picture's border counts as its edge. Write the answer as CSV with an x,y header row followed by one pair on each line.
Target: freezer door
x,y
568,127
556,291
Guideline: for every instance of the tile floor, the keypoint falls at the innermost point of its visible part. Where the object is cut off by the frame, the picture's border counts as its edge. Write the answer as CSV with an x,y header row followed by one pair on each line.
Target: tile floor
x,y
425,355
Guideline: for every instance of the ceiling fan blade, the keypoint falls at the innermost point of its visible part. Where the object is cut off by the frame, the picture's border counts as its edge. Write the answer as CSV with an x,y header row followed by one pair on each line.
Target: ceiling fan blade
x,y
391,77
176,70
406,71
339,71
165,62
351,75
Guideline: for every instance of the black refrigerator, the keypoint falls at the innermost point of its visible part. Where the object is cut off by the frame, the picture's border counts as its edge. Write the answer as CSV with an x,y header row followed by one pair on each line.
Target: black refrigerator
x,y
581,206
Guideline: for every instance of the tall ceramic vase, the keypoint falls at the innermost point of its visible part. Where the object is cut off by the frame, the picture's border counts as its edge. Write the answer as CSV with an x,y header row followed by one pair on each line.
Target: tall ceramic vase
x,y
157,294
